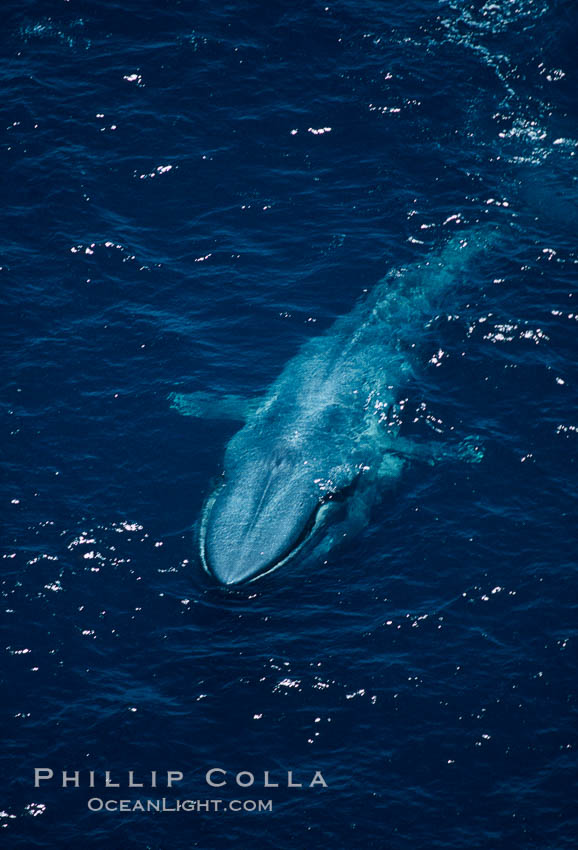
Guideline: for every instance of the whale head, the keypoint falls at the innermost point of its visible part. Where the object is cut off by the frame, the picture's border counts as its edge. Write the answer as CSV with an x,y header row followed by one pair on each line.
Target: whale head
x,y
269,505
258,518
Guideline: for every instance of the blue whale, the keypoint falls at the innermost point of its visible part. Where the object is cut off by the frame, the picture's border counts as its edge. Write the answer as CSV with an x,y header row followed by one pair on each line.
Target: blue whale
x,y
312,455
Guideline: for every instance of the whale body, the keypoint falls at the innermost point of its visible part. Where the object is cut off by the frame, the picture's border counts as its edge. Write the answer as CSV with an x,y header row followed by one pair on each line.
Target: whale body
x,y
313,454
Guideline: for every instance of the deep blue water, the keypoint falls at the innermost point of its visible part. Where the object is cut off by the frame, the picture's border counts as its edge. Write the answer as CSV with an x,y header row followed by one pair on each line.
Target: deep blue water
x,y
174,219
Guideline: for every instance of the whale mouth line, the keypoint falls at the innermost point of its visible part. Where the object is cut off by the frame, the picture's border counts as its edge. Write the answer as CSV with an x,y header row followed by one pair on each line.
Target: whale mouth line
x,y
308,530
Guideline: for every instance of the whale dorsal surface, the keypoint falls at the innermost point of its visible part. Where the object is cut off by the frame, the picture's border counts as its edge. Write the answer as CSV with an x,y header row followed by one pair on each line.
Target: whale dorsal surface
x,y
313,452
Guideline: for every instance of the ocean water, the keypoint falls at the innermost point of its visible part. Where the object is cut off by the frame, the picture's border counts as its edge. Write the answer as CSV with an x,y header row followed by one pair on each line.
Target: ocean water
x,y
190,192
